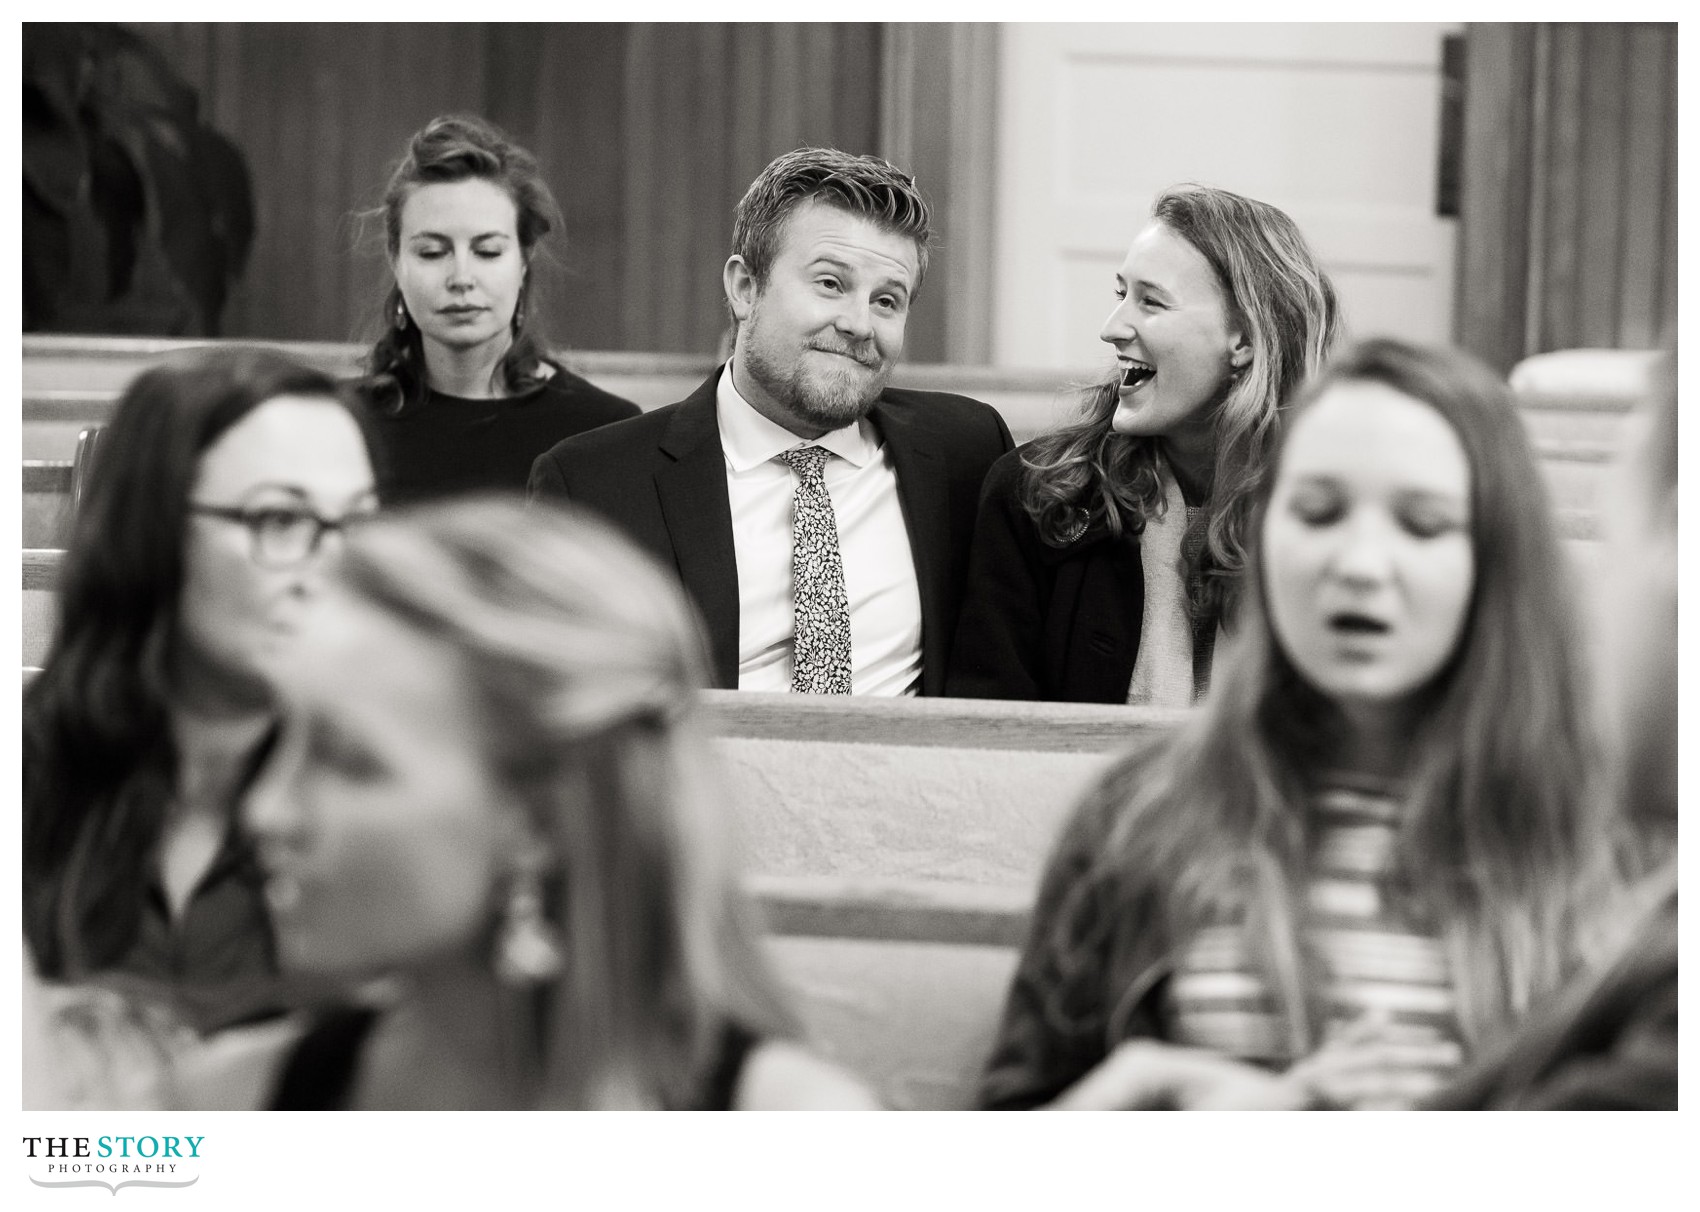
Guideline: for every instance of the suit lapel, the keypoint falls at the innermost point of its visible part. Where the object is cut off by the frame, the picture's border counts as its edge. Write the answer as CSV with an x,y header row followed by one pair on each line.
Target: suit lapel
x,y
923,491
698,516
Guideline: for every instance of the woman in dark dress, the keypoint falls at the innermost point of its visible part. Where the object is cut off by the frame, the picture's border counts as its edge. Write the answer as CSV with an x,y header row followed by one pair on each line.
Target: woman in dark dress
x,y
465,393
492,792
222,487
1106,554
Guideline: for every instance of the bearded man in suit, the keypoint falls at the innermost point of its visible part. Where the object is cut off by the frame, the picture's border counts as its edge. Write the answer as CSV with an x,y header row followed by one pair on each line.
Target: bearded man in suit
x,y
819,518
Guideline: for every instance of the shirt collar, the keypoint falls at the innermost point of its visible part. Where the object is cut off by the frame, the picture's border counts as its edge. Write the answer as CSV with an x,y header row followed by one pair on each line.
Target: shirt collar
x,y
750,439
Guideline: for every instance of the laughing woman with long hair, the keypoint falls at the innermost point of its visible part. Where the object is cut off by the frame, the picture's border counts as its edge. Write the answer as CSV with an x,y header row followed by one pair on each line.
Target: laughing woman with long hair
x,y
1107,553
1371,852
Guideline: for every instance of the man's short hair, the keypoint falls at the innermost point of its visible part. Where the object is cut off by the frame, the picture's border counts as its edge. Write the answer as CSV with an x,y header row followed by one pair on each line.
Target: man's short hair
x,y
863,185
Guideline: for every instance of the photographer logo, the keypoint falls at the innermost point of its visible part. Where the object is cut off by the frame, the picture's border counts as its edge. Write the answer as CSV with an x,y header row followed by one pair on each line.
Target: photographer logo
x,y
113,1162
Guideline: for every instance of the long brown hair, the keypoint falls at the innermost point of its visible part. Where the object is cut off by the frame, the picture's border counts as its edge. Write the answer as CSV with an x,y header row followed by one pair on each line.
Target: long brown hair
x,y
584,659
1086,475
99,758
1502,824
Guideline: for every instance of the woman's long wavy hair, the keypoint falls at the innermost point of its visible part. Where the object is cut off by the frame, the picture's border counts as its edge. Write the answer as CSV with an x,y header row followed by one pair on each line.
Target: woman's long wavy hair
x,y
1501,841
452,148
1086,475
584,660
99,761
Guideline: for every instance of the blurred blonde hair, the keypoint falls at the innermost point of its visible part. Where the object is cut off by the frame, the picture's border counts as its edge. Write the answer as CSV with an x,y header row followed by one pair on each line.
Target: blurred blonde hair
x,y
585,660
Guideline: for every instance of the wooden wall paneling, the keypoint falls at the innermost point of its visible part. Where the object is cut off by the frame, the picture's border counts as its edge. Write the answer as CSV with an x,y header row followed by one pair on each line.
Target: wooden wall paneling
x,y
581,137
330,291
514,57
1557,187
689,135
305,184
274,296
370,149
688,138
1650,59
642,183
973,218
1667,244
782,124
224,49
1604,87
1493,253
284,138
817,94
706,167
897,93
938,122
748,103
856,87
929,63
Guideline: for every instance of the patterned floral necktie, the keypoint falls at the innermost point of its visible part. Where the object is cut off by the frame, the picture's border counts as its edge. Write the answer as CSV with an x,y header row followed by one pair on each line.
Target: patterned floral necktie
x,y
821,663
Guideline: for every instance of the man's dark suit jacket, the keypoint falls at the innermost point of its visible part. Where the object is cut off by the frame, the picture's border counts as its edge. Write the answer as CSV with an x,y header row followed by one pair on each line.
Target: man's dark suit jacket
x,y
661,478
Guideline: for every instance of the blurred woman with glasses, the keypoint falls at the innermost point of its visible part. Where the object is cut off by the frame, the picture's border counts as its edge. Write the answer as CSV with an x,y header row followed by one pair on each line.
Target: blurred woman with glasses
x,y
224,485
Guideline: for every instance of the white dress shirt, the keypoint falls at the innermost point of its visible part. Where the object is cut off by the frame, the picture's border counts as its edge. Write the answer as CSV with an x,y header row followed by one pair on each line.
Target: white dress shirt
x,y
879,569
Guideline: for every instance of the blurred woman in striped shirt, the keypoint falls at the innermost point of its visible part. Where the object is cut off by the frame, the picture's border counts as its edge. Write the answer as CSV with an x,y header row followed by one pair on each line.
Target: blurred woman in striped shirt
x,y
1367,857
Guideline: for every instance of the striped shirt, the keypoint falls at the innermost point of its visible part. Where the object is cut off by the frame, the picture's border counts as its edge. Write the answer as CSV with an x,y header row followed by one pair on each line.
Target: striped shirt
x,y
1373,959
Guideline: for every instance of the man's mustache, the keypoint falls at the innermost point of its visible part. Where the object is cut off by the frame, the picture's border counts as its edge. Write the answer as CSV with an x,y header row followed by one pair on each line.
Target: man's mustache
x,y
867,355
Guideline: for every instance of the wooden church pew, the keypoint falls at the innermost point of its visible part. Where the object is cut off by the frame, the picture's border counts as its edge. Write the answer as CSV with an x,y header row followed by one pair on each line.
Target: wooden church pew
x,y
895,846
901,982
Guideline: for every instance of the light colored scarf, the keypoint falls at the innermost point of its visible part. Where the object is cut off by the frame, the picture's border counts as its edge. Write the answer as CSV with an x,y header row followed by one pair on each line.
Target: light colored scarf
x,y
1164,671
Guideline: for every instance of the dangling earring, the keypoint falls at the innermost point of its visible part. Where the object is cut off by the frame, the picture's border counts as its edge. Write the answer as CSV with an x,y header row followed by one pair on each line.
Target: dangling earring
x,y
528,947
400,315
519,316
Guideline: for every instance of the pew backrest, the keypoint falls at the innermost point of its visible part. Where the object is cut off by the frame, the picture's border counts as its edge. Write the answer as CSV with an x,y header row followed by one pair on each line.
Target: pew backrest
x,y
895,846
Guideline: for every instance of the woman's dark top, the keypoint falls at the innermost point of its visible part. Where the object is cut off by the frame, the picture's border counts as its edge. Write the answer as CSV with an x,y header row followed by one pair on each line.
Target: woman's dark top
x,y
447,445
319,1073
214,962
1093,971
1058,624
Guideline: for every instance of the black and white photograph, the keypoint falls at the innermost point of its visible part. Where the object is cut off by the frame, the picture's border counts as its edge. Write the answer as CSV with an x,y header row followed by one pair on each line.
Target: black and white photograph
x,y
791,565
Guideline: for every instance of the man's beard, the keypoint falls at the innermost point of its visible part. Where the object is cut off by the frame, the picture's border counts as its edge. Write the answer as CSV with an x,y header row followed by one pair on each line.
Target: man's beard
x,y
828,398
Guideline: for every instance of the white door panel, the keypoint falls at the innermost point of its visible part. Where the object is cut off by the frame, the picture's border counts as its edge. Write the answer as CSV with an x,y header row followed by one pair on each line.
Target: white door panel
x,y
1336,124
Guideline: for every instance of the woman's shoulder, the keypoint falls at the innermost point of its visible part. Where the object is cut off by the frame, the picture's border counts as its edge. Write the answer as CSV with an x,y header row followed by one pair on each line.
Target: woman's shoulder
x,y
562,386
1115,792
1006,470
780,1075
1108,801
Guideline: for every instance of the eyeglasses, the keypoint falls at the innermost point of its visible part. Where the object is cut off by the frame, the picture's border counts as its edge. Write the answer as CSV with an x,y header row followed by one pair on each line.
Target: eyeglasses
x,y
279,536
